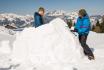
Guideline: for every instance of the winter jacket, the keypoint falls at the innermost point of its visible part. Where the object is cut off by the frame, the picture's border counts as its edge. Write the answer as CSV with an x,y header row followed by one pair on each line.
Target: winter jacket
x,y
83,25
38,20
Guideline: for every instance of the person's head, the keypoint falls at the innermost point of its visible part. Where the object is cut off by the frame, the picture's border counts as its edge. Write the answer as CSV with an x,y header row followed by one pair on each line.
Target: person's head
x,y
41,11
82,13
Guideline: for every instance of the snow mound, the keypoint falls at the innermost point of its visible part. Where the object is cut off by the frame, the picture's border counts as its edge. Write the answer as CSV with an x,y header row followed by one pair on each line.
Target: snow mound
x,y
47,45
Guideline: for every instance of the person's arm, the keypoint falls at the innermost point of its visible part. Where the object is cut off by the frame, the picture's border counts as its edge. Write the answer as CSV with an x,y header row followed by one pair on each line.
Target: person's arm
x,y
77,25
41,20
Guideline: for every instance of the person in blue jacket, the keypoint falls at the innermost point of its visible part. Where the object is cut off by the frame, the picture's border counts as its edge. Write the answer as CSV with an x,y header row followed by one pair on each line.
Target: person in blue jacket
x,y
83,27
38,17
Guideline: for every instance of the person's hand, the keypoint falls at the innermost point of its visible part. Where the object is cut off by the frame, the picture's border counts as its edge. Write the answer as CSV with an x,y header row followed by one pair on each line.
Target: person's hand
x,y
75,30
72,30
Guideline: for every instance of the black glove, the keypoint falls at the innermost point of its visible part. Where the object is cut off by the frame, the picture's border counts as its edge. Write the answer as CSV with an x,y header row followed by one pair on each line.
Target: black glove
x,y
75,30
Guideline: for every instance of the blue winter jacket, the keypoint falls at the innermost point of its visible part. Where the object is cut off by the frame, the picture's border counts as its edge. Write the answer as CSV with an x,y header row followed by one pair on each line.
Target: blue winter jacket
x,y
38,20
83,25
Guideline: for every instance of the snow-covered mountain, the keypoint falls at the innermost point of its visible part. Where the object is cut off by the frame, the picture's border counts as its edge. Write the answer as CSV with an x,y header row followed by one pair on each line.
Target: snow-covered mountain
x,y
19,21
63,14
73,16
15,20
56,13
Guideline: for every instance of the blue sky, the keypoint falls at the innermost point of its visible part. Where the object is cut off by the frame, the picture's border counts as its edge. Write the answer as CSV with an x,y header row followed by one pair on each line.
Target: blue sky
x,y
30,6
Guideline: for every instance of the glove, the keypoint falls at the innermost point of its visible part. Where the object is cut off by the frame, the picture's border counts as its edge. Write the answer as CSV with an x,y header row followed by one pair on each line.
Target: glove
x,y
75,30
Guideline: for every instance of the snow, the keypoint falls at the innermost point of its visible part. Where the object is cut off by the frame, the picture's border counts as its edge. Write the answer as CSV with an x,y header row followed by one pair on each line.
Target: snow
x,y
7,31
55,13
49,44
6,45
49,47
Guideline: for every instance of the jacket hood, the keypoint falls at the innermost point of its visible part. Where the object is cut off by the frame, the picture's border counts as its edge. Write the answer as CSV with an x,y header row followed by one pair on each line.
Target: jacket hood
x,y
85,17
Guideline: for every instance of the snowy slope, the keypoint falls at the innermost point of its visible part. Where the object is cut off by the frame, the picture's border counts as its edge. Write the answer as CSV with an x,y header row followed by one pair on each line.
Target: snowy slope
x,y
59,49
6,46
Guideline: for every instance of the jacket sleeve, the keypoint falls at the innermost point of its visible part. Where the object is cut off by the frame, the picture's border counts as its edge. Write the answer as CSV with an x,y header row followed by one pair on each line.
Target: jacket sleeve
x,y
77,25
